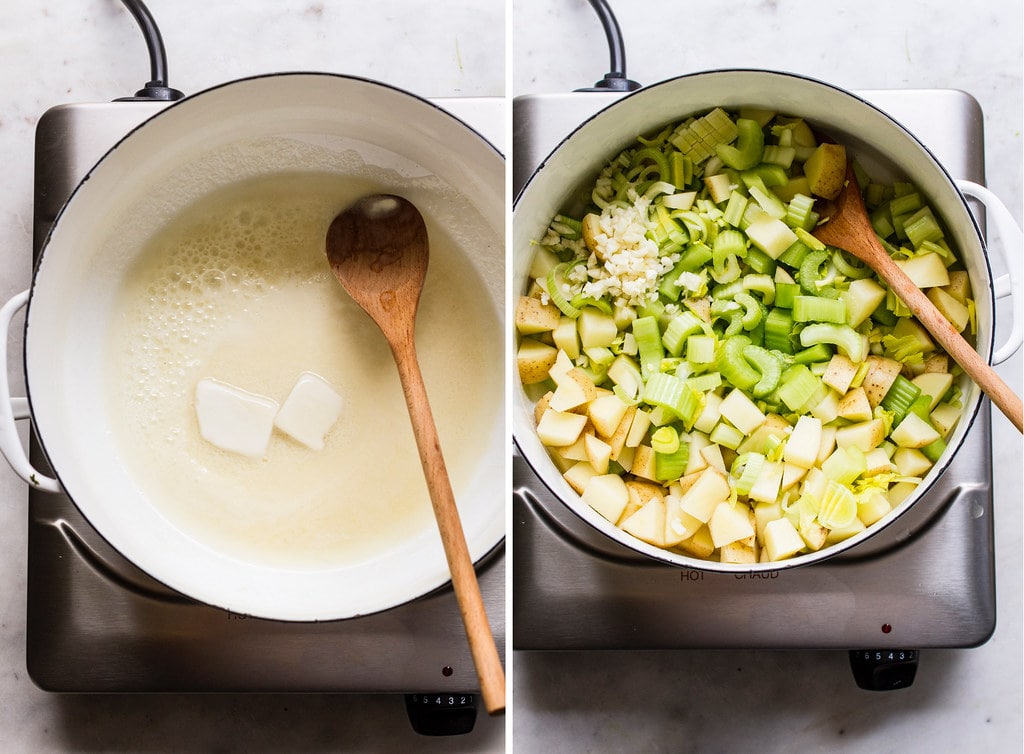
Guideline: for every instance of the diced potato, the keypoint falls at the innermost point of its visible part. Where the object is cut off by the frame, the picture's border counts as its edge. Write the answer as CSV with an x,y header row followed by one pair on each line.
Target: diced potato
x,y
766,487
679,525
925,270
542,405
872,507
826,170
648,523
577,389
900,492
560,428
617,441
956,312
741,412
914,432
562,366
596,328
880,375
606,412
771,236
709,415
911,462
839,373
729,523
591,229
853,406
638,428
907,326
944,418
578,475
934,385
791,474
713,455
606,494
544,260
764,513
804,442
533,316
959,286
738,552
861,299
813,535
938,362
877,462
599,453
566,338
577,451
781,539
644,464
856,526
696,460
699,545
827,409
709,489
828,444
625,372
534,359
865,435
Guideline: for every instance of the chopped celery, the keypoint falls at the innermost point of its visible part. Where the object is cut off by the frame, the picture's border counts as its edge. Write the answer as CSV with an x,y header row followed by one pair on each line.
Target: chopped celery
x,y
730,362
749,146
818,309
648,341
900,397
671,466
798,386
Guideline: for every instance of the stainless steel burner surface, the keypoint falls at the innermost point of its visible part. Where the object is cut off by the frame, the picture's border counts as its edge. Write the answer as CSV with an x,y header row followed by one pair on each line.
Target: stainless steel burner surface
x,y
926,581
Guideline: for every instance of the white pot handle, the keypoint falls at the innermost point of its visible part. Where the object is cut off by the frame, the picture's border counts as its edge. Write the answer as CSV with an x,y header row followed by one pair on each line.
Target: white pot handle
x,y
13,408
1012,249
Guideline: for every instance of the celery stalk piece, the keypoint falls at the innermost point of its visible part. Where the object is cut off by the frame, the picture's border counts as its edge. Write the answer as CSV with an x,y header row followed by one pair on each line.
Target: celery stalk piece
x,y
648,341
768,364
733,366
818,309
749,146
848,340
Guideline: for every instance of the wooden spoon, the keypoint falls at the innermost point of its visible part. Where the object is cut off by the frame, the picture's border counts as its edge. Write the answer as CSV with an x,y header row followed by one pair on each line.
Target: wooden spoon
x,y
378,250
848,227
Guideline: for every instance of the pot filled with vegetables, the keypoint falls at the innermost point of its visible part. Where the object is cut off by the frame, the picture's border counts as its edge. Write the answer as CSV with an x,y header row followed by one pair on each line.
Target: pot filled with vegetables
x,y
210,398
702,379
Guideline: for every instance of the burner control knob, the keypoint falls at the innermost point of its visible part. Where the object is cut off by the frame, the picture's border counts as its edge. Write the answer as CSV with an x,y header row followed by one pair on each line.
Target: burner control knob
x,y
441,713
883,669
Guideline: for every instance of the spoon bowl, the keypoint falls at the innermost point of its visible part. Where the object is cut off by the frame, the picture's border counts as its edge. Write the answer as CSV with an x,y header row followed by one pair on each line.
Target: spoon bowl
x,y
378,249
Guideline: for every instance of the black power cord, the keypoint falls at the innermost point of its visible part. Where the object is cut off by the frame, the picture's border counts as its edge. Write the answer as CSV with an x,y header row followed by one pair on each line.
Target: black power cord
x,y
158,87
615,80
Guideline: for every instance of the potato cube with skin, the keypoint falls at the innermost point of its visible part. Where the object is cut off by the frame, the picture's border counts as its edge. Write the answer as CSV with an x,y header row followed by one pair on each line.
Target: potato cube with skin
x,y
599,453
560,428
617,441
648,523
781,539
854,406
606,494
791,474
813,535
562,366
741,412
542,405
644,463
878,462
911,462
839,373
804,442
576,389
944,418
709,415
533,316
534,360
763,513
959,286
566,338
709,489
578,475
713,455
638,428
699,545
955,312
826,170
881,373
738,552
577,451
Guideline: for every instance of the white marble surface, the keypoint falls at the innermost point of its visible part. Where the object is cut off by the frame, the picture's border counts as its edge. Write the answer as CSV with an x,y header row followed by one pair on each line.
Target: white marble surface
x,y
58,51
962,700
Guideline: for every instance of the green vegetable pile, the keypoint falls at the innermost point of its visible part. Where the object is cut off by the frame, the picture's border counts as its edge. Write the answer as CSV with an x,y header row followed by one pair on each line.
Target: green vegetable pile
x,y
712,378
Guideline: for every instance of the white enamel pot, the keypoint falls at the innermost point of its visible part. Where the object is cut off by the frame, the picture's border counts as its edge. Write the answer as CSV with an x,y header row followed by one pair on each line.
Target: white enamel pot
x,y
245,129
888,152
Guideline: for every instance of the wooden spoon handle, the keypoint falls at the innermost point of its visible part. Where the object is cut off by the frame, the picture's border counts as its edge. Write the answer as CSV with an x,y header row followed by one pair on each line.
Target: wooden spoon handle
x,y
467,588
961,351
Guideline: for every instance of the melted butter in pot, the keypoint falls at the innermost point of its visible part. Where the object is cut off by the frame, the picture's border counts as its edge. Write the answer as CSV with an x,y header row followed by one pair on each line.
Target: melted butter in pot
x,y
238,289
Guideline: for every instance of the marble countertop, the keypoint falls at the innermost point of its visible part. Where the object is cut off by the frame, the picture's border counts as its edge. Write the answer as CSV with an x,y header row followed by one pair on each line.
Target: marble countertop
x,y
726,701
61,51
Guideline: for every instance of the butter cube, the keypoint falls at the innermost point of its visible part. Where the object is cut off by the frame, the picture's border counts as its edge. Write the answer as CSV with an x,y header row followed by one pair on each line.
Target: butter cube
x,y
309,411
234,419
